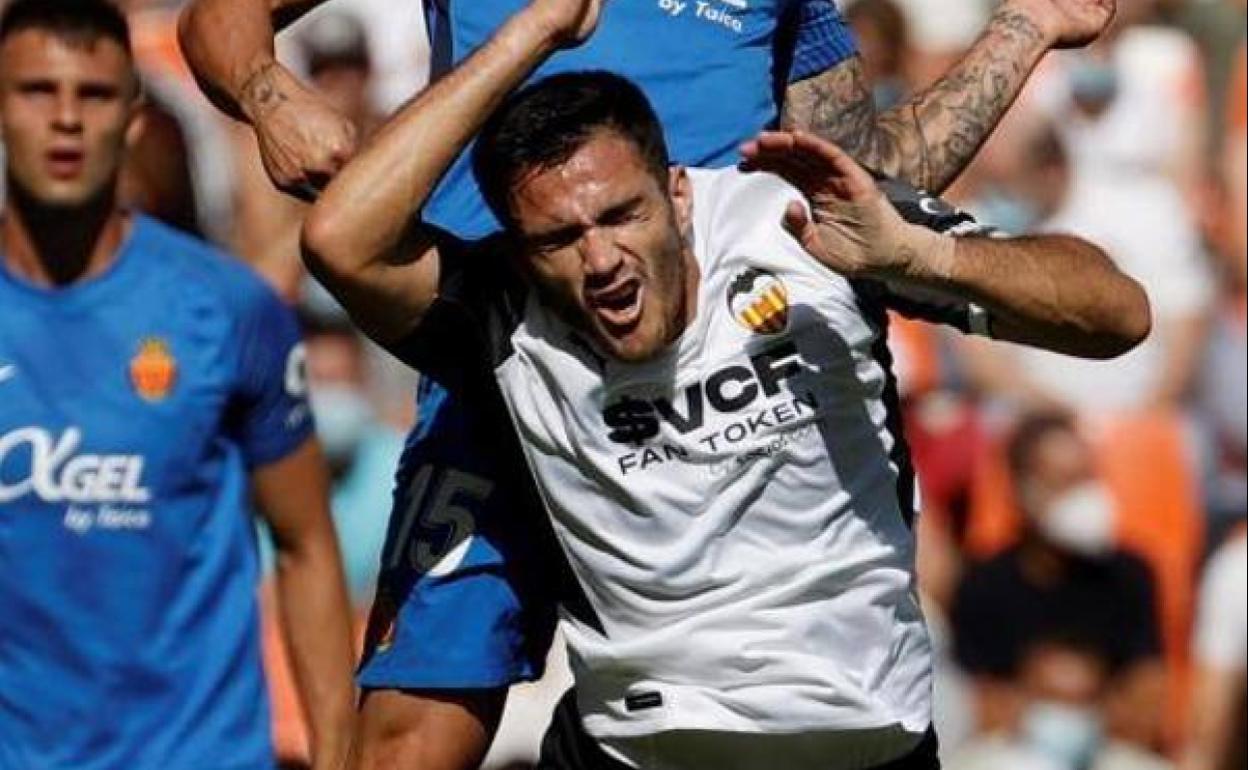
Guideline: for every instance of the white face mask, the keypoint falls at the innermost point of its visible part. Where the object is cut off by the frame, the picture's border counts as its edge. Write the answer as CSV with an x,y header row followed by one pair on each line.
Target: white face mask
x,y
343,416
1081,519
1068,735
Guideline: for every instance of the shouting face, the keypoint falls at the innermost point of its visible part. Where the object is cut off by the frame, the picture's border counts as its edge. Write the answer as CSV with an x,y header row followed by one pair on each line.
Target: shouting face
x,y
604,242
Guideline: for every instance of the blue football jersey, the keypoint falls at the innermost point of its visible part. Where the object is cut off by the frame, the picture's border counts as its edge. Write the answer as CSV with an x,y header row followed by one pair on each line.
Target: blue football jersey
x,y
471,568
133,405
713,70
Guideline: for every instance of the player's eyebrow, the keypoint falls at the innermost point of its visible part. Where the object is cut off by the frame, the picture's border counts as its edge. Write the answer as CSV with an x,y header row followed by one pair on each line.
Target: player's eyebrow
x,y
620,211
98,89
562,236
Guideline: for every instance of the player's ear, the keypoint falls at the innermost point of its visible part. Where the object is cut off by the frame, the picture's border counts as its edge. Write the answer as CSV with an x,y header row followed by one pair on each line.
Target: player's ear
x,y
680,191
136,113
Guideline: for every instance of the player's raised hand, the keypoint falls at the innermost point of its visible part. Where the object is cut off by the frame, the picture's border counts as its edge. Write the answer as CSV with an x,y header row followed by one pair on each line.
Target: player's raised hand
x,y
1066,23
850,226
570,22
303,141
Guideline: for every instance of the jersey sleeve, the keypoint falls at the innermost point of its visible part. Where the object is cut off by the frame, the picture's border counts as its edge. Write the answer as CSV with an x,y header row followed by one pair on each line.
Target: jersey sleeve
x,y
466,331
918,207
820,40
270,410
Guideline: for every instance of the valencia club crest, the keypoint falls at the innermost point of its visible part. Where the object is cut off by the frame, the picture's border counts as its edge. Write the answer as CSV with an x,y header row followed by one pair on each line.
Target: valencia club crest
x,y
759,301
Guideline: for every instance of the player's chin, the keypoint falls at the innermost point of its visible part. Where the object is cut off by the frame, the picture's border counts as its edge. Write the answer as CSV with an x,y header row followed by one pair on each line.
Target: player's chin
x,y
630,343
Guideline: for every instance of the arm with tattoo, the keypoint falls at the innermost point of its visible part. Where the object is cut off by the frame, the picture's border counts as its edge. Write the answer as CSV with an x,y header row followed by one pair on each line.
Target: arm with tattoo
x,y
229,46
929,140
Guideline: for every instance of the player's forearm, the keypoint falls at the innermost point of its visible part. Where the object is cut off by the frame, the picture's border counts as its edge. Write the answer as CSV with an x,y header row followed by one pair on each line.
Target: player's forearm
x,y
365,212
317,620
229,47
1057,292
293,494
928,140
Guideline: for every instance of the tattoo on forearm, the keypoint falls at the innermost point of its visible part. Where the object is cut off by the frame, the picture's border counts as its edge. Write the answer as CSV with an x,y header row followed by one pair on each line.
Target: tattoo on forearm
x,y
930,139
260,90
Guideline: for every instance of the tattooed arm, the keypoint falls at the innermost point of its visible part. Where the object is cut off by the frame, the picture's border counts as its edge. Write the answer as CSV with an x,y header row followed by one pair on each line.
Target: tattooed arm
x,y
229,46
929,140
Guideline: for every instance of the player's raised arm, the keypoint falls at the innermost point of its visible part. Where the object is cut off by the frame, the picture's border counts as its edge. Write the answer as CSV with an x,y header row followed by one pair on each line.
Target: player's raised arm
x,y
930,138
229,46
1057,292
363,239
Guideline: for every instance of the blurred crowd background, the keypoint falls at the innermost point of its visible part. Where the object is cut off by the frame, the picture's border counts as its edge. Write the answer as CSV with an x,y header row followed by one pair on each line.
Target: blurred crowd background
x,y
1083,555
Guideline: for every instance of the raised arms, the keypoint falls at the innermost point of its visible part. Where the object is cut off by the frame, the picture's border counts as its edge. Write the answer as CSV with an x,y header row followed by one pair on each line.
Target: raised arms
x,y
1056,292
929,139
362,238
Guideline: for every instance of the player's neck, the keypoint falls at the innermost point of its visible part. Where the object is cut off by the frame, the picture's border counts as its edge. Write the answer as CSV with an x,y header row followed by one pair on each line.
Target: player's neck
x,y
53,247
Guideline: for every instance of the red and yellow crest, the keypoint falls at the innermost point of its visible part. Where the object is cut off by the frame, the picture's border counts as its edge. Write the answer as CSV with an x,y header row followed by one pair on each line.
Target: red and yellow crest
x,y
759,301
153,370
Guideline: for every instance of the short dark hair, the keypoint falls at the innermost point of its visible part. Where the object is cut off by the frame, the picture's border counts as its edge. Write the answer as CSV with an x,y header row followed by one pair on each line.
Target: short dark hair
x,y
545,123
78,20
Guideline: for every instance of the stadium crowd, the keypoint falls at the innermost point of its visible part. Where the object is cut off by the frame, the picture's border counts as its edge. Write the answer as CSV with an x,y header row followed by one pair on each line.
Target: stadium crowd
x,y
1083,551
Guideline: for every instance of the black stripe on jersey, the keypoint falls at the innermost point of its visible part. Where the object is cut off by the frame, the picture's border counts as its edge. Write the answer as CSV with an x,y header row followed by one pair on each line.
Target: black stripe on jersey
x,y
464,335
876,314
875,299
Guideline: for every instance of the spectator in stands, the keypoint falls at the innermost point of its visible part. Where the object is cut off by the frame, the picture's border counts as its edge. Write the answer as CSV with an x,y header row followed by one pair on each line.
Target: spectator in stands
x,y
1221,651
1130,115
156,177
1223,392
361,450
1065,579
883,42
1061,723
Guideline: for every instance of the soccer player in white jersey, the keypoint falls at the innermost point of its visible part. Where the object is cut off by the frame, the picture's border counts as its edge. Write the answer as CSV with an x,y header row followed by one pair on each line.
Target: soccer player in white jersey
x,y
693,361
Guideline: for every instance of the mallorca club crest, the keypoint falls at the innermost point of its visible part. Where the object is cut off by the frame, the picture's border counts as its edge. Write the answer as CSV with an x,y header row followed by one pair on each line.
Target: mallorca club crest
x,y
153,370
759,301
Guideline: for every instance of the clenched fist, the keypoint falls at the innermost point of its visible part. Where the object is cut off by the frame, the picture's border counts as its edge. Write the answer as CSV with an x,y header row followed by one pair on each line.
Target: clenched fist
x,y
570,22
303,141
1066,23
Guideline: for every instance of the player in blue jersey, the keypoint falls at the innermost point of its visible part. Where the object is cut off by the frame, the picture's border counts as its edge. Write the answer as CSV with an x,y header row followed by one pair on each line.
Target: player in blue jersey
x,y
147,384
454,572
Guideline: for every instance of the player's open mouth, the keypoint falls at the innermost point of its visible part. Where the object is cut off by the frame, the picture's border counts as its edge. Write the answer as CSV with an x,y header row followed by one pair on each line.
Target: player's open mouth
x,y
619,307
65,163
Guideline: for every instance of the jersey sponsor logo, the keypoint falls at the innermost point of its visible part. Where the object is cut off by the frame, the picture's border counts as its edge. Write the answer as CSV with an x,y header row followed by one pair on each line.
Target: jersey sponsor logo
x,y
717,12
754,392
58,474
153,370
759,301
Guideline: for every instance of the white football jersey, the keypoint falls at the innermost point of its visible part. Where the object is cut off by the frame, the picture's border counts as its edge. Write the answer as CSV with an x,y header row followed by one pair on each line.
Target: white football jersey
x,y
738,510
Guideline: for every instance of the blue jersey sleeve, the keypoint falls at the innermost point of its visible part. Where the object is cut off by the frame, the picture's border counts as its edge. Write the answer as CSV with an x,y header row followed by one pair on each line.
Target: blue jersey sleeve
x,y
822,41
272,416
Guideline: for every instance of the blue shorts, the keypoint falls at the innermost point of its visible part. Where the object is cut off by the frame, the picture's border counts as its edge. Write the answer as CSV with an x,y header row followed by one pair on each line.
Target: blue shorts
x,y
470,574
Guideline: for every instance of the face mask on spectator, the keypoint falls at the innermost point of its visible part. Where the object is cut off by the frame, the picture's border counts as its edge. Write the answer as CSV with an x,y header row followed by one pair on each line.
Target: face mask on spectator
x,y
1093,81
1011,213
342,416
1080,519
1068,735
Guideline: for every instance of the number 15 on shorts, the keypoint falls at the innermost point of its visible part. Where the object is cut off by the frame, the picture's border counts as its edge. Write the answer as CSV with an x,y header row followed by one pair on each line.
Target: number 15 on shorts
x,y
439,520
